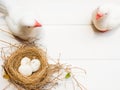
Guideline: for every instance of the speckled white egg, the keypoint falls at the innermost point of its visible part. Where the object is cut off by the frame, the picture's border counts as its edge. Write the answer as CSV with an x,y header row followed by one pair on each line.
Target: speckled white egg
x,y
25,70
35,64
25,60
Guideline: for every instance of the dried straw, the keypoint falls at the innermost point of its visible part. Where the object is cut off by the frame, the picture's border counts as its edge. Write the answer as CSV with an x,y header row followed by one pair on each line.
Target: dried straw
x,y
39,78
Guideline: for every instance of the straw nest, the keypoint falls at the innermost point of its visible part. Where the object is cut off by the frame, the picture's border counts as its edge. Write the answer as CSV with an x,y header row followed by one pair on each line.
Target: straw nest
x,y
39,78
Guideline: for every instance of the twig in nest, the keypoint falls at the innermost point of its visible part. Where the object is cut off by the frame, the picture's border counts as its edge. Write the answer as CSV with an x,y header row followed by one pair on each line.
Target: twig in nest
x,y
3,54
8,43
69,74
8,33
78,83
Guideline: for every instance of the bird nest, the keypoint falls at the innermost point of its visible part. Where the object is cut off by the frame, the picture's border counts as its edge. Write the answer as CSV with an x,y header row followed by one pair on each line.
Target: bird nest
x,y
39,78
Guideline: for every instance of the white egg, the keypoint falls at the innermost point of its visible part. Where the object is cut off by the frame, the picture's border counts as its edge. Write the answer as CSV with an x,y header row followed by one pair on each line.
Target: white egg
x,y
35,64
25,60
25,70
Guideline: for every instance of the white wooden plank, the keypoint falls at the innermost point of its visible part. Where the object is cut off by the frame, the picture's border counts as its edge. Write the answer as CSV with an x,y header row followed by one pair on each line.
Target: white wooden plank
x,y
76,42
80,42
101,75
59,11
79,45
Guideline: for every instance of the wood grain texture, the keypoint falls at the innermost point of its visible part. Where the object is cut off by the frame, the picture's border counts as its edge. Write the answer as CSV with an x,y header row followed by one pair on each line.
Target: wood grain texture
x,y
67,31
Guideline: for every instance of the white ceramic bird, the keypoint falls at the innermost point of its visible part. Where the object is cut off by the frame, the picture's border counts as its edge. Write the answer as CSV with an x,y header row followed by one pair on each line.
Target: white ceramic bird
x,y
106,17
35,64
24,27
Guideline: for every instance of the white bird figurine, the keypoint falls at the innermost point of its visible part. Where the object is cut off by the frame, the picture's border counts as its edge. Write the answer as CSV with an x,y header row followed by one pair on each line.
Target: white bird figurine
x,y
106,17
24,27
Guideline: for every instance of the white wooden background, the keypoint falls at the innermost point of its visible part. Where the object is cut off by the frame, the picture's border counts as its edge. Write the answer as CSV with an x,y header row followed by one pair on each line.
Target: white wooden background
x,y
67,30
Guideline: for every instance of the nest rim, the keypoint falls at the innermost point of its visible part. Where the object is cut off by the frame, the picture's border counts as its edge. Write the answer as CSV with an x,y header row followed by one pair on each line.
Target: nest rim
x,y
13,62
